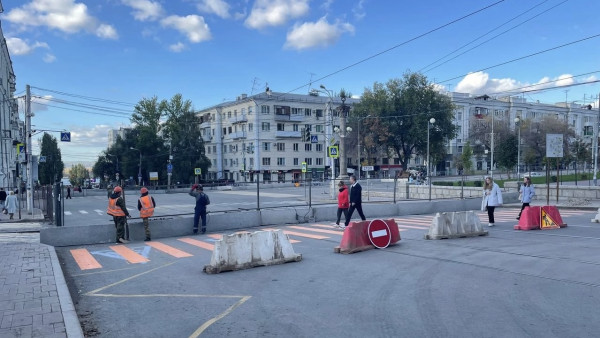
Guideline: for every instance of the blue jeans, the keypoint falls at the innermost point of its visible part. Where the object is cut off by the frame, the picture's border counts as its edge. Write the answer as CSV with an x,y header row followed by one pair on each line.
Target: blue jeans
x,y
197,215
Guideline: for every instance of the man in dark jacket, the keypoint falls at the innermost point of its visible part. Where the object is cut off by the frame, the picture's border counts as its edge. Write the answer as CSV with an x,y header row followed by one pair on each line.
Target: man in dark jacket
x,y
355,200
202,201
2,199
118,210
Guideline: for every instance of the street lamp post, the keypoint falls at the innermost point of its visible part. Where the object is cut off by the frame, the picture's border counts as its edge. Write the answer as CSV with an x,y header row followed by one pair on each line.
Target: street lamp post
x,y
343,132
518,124
429,123
117,168
358,143
328,134
492,149
139,166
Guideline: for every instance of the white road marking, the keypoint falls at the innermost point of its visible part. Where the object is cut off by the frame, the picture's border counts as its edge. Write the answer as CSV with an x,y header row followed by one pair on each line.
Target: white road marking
x,y
100,212
83,211
68,213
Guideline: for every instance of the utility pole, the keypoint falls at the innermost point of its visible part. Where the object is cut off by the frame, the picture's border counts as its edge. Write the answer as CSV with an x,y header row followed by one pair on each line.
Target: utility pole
x,y
28,156
595,143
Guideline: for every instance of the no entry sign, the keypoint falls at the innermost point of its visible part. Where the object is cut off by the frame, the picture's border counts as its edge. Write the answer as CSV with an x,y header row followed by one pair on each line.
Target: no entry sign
x,y
379,234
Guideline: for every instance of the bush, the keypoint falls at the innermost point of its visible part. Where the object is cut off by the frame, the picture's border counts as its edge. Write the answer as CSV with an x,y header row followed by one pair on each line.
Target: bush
x,y
584,176
445,184
478,183
553,178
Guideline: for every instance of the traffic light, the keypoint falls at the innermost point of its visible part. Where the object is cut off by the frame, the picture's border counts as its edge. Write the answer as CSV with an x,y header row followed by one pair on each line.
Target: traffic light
x,y
306,135
303,135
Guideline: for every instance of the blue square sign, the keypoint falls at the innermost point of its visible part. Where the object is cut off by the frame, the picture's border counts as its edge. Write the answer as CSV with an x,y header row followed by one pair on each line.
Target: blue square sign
x,y
65,136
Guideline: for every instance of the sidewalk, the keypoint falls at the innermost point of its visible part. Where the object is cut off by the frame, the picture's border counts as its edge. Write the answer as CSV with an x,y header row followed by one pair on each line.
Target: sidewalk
x,y
34,297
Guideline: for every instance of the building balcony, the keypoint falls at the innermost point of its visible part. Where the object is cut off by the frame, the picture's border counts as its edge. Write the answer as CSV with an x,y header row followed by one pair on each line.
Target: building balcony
x,y
206,138
238,119
237,135
288,134
282,117
205,124
297,118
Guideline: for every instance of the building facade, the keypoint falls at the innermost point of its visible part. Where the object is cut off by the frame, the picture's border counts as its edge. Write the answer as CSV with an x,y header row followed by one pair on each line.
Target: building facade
x,y
114,134
269,136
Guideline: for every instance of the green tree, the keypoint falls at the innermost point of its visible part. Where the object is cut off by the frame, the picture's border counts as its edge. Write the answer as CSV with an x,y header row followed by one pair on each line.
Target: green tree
x,y
534,135
506,153
146,140
467,156
78,174
50,172
403,108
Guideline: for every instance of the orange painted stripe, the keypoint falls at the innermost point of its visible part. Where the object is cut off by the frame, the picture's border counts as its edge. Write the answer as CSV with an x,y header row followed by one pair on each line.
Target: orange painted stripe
x,y
412,227
84,259
333,232
300,234
129,255
198,243
169,249
215,236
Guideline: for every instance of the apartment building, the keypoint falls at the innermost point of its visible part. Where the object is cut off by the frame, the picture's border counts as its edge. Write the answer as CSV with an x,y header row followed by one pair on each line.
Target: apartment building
x,y
114,134
268,136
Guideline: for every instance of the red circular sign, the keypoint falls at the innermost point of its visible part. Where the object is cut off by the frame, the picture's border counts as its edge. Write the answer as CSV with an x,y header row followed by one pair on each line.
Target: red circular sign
x,y
379,233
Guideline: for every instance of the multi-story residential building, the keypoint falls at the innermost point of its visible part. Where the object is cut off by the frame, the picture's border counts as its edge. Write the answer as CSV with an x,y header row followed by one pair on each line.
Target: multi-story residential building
x,y
113,134
11,128
264,136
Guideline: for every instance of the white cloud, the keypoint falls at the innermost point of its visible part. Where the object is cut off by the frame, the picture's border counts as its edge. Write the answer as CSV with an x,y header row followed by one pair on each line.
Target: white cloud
x,y
480,83
49,58
327,4
359,10
217,7
193,26
177,47
275,12
64,15
106,32
18,46
145,10
316,34
95,136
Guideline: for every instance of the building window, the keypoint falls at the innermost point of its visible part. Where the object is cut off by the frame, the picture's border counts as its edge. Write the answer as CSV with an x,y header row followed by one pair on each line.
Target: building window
x,y
250,108
251,162
385,160
296,161
307,147
296,111
460,149
267,146
266,126
228,114
266,161
308,160
280,126
319,128
307,112
224,149
208,149
307,127
295,146
280,146
295,127
281,161
265,109
319,112
229,128
224,131
588,130
215,149
319,161
318,147
396,160
250,127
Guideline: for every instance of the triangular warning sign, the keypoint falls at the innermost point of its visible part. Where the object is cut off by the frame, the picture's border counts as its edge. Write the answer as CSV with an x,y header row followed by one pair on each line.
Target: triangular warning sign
x,y
547,221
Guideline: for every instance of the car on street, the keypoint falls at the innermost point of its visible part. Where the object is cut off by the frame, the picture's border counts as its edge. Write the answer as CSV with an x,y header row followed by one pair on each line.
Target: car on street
x,y
532,174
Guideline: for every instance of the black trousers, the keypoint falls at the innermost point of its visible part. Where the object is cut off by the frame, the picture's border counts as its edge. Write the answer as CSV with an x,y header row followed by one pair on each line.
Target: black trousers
x,y
490,211
523,207
357,207
339,214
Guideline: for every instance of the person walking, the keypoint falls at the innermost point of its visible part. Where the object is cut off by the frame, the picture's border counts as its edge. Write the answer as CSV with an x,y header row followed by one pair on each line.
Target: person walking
x,y
146,205
526,194
2,199
492,198
355,201
343,203
68,191
202,201
118,210
11,204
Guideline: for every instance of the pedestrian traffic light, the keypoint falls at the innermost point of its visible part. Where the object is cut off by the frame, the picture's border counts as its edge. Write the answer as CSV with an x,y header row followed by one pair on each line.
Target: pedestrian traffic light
x,y
306,135
303,134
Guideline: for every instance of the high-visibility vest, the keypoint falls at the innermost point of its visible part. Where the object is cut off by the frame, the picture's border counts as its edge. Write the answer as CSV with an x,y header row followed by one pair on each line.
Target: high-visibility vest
x,y
114,209
147,207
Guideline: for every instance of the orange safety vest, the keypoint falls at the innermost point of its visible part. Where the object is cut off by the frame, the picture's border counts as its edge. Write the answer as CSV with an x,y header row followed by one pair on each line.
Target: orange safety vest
x,y
114,209
147,207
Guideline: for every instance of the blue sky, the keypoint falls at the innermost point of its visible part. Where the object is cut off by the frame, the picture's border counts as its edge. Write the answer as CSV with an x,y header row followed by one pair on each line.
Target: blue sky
x,y
215,50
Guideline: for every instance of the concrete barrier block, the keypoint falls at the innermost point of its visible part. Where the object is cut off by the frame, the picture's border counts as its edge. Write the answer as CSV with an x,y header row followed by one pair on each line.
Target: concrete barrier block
x,y
455,225
283,215
597,218
244,250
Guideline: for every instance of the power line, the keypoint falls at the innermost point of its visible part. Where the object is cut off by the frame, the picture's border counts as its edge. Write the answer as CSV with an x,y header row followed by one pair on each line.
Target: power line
x,y
517,90
87,112
83,105
86,97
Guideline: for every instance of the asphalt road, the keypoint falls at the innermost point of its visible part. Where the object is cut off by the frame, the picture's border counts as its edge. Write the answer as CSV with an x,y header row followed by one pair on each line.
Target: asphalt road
x,y
542,283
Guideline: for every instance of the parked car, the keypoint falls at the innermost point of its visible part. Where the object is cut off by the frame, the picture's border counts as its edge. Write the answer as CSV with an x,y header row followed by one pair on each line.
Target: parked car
x,y
532,174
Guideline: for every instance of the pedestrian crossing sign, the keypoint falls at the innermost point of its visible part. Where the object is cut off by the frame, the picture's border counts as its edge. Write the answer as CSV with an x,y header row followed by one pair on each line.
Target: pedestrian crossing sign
x,y
547,222
197,171
333,151
303,167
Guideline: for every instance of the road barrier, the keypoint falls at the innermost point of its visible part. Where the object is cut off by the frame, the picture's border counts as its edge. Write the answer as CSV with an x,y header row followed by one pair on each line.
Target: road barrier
x,y
536,217
597,218
244,250
356,236
459,224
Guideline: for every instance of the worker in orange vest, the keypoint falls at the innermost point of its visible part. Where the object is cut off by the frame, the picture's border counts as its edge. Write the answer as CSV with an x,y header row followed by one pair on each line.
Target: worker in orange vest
x,y
118,210
146,207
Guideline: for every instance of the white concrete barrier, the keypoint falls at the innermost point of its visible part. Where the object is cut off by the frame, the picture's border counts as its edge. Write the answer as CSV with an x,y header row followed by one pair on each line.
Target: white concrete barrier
x,y
244,250
597,218
454,225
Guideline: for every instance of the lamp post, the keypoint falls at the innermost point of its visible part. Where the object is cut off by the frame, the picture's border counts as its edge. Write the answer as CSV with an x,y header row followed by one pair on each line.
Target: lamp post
x,y
358,143
139,167
343,132
518,124
429,123
595,143
492,149
328,133
117,168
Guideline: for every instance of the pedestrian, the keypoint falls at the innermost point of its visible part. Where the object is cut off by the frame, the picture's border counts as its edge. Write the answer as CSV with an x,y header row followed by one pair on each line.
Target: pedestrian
x,y
118,210
526,194
355,201
146,207
492,198
68,191
343,202
11,204
2,199
202,201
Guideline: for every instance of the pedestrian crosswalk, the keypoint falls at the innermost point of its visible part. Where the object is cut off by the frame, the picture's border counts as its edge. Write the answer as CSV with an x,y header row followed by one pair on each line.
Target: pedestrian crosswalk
x,y
185,247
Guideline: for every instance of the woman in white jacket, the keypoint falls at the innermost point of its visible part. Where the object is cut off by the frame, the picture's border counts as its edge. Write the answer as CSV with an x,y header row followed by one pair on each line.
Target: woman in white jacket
x,y
11,204
492,198
526,194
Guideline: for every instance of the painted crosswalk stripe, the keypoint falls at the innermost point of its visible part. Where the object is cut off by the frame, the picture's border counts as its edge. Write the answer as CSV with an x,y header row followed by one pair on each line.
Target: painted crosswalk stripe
x,y
333,232
129,255
168,249
300,234
219,236
198,243
100,212
68,213
85,260
400,225
83,212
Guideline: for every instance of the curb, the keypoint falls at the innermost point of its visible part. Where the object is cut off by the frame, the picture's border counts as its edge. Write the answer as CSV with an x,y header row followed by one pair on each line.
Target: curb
x,y
72,325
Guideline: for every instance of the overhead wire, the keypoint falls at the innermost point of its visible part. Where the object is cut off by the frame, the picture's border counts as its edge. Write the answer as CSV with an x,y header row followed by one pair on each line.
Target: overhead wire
x,y
90,98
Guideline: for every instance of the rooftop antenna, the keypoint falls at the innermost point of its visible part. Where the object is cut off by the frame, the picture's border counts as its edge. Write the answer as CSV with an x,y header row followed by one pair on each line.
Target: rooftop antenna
x,y
310,81
253,85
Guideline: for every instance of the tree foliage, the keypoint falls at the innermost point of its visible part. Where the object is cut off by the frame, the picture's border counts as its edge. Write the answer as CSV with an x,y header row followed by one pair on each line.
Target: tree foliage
x,y
78,174
50,172
400,112
467,156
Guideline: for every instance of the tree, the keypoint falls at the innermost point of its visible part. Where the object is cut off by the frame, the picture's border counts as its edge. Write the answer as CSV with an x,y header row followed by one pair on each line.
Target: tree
x,y
467,156
506,153
534,135
78,174
50,172
402,108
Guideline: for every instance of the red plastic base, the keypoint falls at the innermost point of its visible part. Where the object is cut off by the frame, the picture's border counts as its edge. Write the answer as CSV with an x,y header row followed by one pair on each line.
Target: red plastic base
x,y
356,239
531,217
